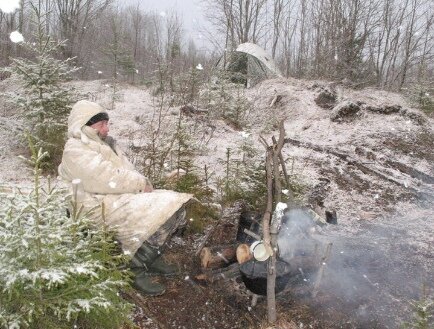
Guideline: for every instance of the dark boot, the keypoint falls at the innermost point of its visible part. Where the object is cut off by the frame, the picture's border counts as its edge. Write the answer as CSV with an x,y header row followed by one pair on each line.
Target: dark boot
x,y
140,265
145,256
160,266
145,285
151,258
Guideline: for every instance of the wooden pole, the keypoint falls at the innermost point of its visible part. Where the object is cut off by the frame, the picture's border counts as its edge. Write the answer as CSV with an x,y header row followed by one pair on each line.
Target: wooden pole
x,y
271,275
282,163
270,233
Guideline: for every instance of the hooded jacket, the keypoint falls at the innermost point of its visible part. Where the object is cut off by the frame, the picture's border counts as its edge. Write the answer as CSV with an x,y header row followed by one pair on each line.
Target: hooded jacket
x,y
98,173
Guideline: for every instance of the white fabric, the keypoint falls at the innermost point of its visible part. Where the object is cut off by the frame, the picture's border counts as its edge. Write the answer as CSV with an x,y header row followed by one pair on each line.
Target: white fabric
x,y
97,175
254,50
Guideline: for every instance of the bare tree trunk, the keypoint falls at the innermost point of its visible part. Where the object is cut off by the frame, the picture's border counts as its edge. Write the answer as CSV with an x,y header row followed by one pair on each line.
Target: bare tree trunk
x,y
301,49
277,14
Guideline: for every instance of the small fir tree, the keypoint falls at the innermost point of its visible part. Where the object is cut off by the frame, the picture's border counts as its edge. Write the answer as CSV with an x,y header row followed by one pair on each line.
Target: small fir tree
x,y
56,271
45,102
423,312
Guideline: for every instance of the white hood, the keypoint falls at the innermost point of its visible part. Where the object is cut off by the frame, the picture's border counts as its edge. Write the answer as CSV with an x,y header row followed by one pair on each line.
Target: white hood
x,y
81,112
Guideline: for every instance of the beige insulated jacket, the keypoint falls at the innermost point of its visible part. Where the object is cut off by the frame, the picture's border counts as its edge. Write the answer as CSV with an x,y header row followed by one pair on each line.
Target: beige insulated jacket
x,y
102,174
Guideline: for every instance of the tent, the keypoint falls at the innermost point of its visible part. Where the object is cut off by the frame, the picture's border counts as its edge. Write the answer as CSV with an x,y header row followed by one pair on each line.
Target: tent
x,y
252,63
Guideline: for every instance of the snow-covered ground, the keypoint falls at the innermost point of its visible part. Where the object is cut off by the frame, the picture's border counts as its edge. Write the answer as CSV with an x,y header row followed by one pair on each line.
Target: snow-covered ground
x,y
383,184
359,196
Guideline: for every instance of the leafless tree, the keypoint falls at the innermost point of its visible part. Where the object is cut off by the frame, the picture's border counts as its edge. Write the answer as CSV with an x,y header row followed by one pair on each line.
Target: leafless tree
x,y
278,8
74,16
384,42
239,20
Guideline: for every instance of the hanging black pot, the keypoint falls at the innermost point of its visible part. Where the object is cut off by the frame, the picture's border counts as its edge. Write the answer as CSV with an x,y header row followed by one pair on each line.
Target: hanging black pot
x,y
254,276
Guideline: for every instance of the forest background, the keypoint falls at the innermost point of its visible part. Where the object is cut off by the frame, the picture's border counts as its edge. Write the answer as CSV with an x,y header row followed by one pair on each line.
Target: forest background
x,y
383,43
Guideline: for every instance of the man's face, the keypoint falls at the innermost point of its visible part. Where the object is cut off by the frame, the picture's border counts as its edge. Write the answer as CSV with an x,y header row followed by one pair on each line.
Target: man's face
x,y
102,127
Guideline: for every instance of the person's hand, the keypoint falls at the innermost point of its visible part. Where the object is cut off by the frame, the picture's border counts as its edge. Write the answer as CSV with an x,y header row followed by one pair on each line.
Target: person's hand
x,y
148,188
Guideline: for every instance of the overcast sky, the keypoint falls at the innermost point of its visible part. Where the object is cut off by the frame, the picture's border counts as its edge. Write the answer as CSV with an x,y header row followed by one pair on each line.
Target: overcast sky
x,y
191,12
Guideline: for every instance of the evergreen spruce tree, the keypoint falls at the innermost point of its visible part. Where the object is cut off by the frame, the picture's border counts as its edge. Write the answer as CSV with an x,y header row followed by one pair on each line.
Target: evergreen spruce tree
x,y
45,102
56,271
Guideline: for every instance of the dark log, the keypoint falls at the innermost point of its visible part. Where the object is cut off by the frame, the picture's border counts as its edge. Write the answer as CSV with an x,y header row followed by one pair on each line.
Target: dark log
x,y
190,110
226,273
276,99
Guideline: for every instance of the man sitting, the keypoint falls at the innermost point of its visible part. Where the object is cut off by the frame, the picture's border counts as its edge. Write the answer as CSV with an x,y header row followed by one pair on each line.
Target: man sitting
x,y
105,183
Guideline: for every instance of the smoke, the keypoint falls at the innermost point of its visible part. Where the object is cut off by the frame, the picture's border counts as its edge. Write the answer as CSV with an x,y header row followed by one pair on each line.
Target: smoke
x,y
364,277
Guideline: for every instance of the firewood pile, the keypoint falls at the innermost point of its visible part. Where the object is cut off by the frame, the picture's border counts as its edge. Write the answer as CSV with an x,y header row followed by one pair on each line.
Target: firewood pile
x,y
222,249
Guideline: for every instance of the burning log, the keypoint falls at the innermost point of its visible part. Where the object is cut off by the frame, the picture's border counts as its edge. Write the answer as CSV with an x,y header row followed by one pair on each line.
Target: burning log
x,y
217,256
252,234
243,253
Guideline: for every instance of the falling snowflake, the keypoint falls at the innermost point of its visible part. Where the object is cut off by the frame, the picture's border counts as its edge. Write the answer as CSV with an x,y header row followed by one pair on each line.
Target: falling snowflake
x,y
80,269
99,72
76,181
286,192
112,184
9,6
162,14
16,37
244,134
199,67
